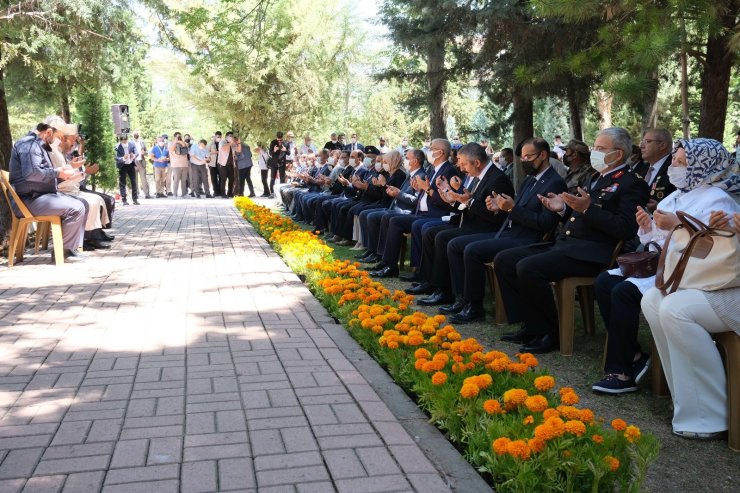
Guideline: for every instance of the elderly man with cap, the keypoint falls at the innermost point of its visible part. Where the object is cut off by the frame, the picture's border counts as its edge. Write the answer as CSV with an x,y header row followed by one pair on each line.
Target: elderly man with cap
x,y
96,213
34,178
577,158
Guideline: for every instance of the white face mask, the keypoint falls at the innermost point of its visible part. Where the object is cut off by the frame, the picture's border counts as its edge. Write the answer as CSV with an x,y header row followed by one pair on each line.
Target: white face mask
x,y
598,160
502,163
387,167
367,162
431,156
406,164
677,175
378,166
55,144
330,161
404,143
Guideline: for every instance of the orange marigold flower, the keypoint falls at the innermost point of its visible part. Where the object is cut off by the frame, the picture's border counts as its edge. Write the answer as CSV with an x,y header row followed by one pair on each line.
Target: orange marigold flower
x,y
518,449
544,432
492,406
439,318
597,439
499,445
419,365
632,433
458,368
429,367
544,383
612,462
528,420
575,427
393,345
499,365
469,390
556,425
587,416
569,412
415,340
422,353
619,424
536,403
514,397
536,445
569,398
518,368
549,413
439,378
482,381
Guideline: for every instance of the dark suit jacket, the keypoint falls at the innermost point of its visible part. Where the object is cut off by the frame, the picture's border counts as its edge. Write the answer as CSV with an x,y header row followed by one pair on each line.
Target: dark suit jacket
x,y
662,186
476,216
397,180
120,152
336,187
593,235
438,207
529,220
406,200
349,147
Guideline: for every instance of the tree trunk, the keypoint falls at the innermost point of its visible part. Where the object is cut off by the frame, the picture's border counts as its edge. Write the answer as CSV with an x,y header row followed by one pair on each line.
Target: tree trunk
x,y
437,83
574,107
715,76
604,103
66,113
523,122
685,120
650,105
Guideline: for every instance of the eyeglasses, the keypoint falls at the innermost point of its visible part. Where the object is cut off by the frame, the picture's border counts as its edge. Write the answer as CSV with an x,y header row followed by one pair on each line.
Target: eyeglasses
x,y
602,149
529,157
649,141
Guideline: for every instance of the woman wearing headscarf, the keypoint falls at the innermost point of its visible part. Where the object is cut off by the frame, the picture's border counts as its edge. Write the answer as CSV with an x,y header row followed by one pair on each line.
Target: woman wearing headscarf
x,y
683,322
701,171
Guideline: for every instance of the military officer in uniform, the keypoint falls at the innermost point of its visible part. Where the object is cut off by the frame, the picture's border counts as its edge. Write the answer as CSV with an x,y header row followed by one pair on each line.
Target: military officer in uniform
x,y
656,146
596,219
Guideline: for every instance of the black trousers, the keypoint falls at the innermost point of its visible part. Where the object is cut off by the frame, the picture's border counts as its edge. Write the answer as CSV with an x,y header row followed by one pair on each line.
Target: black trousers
x,y
245,174
110,204
467,256
429,252
127,170
524,275
215,180
265,185
227,180
619,303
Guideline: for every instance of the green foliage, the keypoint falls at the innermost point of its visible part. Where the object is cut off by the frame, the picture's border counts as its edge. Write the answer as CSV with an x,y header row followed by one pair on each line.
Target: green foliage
x,y
94,111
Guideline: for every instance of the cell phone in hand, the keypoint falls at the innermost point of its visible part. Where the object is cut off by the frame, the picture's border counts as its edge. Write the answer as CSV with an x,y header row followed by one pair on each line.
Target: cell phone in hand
x,y
644,209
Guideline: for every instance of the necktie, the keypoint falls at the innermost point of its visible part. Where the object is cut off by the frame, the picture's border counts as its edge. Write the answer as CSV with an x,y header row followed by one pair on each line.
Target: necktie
x,y
649,174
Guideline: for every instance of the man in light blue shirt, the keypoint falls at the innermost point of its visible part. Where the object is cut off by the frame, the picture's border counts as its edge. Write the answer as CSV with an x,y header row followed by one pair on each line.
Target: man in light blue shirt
x,y
199,156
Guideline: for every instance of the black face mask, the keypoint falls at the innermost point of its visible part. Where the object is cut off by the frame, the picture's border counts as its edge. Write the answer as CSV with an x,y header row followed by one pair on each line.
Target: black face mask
x,y
566,159
529,167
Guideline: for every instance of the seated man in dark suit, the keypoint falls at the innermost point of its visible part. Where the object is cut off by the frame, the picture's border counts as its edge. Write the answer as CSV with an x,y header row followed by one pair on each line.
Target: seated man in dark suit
x,y
655,147
430,206
474,217
596,220
374,223
528,221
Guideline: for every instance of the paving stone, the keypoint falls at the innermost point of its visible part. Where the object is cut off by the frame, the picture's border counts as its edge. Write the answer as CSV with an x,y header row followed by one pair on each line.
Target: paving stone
x,y
84,482
344,463
293,475
375,484
44,484
139,474
235,473
199,477
20,463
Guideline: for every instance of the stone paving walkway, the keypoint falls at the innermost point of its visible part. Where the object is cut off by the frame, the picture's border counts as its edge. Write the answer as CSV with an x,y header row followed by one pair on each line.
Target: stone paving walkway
x,y
190,358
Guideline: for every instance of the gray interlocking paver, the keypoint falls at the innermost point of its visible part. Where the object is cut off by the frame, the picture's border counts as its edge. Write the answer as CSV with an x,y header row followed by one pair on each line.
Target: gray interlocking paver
x,y
187,358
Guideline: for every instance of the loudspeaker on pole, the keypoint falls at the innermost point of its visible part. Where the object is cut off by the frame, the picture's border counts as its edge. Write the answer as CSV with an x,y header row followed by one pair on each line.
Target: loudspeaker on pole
x,y
121,122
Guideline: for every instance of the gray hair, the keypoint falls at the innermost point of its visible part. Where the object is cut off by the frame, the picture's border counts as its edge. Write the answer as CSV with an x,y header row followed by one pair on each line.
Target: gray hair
x,y
446,146
620,140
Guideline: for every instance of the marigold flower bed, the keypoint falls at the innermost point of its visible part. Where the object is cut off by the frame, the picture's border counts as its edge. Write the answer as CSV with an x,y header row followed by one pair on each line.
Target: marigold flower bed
x,y
503,412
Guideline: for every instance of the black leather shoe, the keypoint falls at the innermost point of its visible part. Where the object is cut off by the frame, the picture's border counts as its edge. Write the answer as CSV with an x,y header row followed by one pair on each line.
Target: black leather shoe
x,y
136,202
107,237
521,336
456,307
468,314
423,288
346,243
99,245
384,272
363,255
541,345
438,297
379,266
371,259
413,277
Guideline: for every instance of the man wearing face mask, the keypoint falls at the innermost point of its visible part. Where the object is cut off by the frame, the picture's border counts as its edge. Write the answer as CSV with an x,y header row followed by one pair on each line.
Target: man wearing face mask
x,y
340,177
125,156
354,144
34,179
404,147
577,159
160,156
506,162
430,206
382,147
333,143
358,185
596,219
226,160
140,163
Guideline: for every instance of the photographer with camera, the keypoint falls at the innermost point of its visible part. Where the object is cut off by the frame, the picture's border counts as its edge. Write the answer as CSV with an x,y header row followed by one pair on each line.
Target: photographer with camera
x,y
179,164
226,166
125,157
278,153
